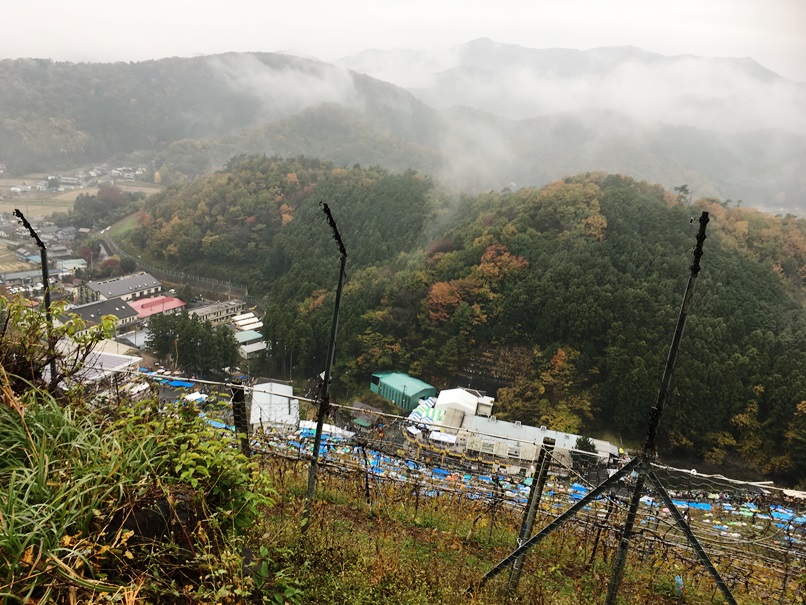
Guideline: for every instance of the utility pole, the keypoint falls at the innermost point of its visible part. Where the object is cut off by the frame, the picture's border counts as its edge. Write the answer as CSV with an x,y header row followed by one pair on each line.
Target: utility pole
x,y
323,401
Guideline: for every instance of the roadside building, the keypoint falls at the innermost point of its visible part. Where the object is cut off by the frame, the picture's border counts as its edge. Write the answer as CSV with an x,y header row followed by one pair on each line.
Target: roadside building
x,y
462,419
250,343
247,322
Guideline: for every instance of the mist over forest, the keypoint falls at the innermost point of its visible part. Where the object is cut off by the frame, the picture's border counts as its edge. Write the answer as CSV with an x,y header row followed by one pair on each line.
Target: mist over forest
x,y
482,116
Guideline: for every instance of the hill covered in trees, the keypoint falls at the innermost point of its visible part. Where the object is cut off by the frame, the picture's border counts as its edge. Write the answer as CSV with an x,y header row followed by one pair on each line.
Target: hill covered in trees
x,y
566,296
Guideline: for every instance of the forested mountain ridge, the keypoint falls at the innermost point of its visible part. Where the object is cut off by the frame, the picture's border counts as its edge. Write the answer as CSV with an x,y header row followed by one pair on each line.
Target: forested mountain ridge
x,y
566,294
189,115
183,117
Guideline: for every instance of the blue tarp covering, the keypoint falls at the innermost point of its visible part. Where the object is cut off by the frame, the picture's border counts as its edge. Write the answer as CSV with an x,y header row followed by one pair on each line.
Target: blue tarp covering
x,y
219,425
697,505
180,383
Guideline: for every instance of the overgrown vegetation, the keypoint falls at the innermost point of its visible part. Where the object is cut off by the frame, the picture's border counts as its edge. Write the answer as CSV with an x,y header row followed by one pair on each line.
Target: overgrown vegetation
x,y
127,501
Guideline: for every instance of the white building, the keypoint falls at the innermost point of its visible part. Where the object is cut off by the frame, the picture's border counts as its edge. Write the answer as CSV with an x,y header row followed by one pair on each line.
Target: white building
x,y
218,313
468,416
273,404
125,287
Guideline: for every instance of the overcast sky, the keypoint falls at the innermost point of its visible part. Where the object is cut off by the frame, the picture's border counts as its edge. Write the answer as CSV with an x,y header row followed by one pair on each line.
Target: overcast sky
x,y
770,31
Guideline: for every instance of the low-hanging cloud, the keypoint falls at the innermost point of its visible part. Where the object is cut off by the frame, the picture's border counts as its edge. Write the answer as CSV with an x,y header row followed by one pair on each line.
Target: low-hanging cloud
x,y
720,94
284,89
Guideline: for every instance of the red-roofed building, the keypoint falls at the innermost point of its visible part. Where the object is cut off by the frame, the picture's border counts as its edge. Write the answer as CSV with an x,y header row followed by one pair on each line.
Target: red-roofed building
x,y
146,307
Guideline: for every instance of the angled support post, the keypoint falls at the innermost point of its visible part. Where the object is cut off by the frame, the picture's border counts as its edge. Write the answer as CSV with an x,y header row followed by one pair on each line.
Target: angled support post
x,y
535,495
692,539
557,523
641,464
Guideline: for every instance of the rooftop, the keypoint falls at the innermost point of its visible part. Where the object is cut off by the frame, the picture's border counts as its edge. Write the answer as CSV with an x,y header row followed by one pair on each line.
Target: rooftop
x,y
145,307
399,380
125,284
247,336
93,312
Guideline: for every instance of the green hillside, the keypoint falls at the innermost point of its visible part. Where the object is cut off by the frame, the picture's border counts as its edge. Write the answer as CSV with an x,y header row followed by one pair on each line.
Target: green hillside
x,y
565,296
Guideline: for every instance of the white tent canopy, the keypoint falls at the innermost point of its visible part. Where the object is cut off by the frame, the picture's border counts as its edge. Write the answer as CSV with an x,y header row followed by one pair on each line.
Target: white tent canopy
x,y
443,437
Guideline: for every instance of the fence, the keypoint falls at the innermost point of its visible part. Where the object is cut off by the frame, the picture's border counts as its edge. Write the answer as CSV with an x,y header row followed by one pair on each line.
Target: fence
x,y
755,534
755,537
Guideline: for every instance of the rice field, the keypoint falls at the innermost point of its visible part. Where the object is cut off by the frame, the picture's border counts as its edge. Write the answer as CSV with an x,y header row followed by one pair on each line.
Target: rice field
x,y
9,262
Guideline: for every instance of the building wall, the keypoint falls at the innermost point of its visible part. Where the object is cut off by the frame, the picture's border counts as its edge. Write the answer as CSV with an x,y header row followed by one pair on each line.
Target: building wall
x,y
406,400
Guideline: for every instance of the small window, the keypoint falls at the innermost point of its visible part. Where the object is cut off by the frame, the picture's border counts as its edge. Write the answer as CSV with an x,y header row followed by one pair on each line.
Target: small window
x,y
376,380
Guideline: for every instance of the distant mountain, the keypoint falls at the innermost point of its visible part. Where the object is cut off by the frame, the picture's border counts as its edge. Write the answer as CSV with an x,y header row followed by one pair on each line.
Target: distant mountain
x,y
518,82
481,116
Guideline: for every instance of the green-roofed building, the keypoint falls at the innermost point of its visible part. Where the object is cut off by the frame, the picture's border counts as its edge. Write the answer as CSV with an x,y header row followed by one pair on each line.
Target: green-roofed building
x,y
401,389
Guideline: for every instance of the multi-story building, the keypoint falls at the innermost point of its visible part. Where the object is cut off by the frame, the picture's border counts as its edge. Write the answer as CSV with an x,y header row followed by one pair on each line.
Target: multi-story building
x,y
125,287
219,312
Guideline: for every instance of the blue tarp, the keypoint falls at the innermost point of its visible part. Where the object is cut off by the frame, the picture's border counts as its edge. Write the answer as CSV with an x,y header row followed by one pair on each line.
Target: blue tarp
x,y
696,505
219,425
180,383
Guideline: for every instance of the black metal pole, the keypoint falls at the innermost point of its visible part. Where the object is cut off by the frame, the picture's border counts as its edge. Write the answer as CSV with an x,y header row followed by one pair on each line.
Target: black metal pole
x,y
43,255
323,397
654,420
657,411
239,418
